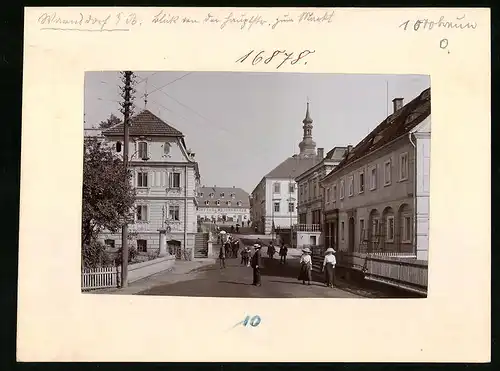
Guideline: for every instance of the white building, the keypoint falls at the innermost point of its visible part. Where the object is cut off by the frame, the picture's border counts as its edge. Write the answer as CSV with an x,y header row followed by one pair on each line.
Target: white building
x,y
310,198
274,199
165,177
223,205
377,199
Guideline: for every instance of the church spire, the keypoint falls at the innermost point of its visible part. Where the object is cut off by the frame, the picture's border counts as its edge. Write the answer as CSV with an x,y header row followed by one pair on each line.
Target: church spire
x,y
307,146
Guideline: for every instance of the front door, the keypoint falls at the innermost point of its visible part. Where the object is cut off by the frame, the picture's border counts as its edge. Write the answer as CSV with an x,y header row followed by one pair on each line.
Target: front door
x,y
351,234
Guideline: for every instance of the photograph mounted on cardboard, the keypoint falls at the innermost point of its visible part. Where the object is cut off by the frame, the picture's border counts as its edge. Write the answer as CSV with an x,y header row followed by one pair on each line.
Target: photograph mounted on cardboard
x,y
256,185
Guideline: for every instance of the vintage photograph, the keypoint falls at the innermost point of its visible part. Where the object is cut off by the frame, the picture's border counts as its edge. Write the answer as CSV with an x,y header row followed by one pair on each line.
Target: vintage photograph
x,y
256,185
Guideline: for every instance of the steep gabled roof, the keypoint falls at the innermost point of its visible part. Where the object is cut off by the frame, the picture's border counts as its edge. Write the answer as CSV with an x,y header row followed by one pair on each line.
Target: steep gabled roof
x,y
399,123
293,166
145,124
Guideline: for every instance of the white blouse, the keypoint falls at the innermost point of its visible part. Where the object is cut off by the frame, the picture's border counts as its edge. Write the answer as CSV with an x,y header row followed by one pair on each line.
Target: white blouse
x,y
330,259
306,258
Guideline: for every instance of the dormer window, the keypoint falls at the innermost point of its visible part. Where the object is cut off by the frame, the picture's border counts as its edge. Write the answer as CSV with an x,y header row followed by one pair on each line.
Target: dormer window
x,y
143,151
200,194
238,203
233,195
217,203
207,203
228,203
222,195
211,195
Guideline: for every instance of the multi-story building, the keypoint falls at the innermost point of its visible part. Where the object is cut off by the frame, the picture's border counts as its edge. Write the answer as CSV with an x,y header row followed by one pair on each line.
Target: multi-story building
x,y
165,176
223,205
274,199
310,197
377,197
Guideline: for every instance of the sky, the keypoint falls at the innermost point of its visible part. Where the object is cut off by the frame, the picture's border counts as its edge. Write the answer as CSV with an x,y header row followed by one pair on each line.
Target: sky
x,y
242,125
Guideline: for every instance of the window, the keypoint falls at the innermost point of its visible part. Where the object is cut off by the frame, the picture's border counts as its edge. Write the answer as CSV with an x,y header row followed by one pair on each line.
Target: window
x,y
390,229
238,203
166,148
327,195
291,188
351,185
373,179
361,182
211,195
174,180
276,207
315,191
334,193
233,195
375,229
342,189
207,203
142,179
200,194
142,245
222,195
403,166
142,213
406,229
301,190
342,231
362,233
291,207
387,172
228,203
217,202
143,150
110,243
277,187
173,212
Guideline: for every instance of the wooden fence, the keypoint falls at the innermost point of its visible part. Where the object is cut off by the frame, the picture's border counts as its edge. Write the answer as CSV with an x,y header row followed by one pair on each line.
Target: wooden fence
x,y
99,278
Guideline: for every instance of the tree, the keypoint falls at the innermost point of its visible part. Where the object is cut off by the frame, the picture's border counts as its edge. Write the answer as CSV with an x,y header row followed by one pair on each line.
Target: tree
x,y
111,121
108,196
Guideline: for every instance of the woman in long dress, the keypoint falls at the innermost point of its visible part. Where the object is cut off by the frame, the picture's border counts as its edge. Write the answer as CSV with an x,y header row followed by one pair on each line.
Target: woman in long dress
x,y
329,264
305,266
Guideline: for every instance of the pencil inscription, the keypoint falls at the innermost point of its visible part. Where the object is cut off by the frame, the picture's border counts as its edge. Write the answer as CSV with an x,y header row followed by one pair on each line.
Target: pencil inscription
x,y
279,56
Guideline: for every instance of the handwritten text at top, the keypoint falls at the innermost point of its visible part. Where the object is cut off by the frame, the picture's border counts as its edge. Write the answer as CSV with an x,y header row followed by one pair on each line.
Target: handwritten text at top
x,y
459,23
125,21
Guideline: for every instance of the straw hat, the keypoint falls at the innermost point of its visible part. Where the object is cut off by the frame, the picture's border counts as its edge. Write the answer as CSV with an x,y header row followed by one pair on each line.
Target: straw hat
x,y
330,250
222,232
307,250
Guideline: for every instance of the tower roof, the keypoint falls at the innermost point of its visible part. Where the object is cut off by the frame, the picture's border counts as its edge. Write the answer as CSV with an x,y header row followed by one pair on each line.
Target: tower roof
x,y
307,119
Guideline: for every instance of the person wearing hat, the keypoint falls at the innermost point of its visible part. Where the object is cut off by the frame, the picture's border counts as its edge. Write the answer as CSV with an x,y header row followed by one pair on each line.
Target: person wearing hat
x,y
305,266
329,264
256,265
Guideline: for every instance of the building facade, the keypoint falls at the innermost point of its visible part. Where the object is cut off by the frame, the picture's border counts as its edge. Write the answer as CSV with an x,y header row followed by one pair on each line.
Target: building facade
x,y
377,199
274,199
223,205
165,177
310,197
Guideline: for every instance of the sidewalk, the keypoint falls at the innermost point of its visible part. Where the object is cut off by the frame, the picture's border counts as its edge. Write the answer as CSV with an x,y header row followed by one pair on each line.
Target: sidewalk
x,y
181,271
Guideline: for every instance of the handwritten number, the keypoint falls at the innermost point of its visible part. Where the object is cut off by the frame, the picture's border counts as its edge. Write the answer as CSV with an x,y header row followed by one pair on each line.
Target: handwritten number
x,y
276,52
304,54
257,58
254,321
288,57
405,24
242,59
119,16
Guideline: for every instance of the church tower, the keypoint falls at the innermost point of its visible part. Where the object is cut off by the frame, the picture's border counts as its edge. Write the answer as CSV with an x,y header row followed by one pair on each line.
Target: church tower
x,y
307,146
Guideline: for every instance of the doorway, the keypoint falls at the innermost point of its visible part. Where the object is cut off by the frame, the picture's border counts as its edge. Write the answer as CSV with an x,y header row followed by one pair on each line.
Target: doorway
x,y
351,234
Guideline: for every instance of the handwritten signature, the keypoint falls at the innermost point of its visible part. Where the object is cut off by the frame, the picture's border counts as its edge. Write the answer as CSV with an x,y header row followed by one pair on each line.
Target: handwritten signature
x,y
87,22
281,56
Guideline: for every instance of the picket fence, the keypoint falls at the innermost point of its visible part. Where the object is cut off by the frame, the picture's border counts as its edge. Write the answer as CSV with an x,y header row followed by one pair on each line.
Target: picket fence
x,y
99,278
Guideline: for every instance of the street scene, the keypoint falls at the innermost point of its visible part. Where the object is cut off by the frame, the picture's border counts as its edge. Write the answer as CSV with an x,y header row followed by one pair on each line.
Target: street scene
x,y
193,186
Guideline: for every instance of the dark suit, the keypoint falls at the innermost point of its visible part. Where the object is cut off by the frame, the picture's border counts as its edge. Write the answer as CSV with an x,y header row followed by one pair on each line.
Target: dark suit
x,y
256,265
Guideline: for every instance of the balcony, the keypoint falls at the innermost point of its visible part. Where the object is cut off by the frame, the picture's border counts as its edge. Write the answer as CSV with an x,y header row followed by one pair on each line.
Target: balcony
x,y
307,227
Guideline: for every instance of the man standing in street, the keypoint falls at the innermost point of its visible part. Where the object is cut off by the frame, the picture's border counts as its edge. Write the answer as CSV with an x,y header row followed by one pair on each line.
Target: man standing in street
x,y
256,265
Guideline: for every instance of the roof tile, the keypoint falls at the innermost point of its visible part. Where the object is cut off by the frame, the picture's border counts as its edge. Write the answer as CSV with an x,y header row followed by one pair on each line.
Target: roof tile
x,y
145,123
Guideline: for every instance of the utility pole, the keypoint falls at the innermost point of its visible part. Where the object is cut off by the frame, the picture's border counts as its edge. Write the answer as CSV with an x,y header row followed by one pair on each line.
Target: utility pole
x,y
127,96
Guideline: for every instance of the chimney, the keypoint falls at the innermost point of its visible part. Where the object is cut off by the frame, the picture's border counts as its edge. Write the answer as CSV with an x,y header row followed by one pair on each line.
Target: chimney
x,y
397,103
349,148
234,187
321,153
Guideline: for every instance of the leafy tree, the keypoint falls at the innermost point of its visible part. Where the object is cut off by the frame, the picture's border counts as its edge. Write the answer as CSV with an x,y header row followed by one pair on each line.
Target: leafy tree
x,y
111,121
108,196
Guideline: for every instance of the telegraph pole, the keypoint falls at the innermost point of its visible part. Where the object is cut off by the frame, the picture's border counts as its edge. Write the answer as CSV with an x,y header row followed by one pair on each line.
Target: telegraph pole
x,y
127,92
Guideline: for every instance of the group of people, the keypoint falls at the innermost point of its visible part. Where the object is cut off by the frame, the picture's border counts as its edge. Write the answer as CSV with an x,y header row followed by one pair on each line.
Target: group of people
x,y
283,252
328,267
229,249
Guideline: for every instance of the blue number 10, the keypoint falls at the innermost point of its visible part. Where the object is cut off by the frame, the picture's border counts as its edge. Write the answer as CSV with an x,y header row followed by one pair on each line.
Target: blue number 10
x,y
254,321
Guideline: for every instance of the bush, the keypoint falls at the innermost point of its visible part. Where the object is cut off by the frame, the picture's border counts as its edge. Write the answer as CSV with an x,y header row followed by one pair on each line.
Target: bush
x,y
132,254
94,255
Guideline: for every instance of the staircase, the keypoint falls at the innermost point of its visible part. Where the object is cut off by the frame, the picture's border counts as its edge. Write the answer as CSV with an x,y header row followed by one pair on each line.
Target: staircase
x,y
201,245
